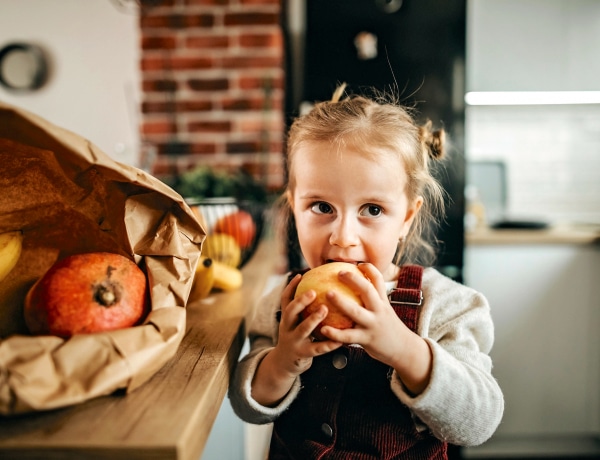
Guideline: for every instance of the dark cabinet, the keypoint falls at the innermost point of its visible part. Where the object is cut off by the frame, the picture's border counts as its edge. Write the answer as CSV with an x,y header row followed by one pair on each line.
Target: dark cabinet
x,y
414,49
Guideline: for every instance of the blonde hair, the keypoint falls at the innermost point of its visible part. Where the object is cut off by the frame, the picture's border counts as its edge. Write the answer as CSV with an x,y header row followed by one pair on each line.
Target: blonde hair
x,y
372,126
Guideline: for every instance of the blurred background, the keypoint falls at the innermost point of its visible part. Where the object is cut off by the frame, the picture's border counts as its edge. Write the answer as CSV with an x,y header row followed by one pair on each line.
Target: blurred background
x,y
174,85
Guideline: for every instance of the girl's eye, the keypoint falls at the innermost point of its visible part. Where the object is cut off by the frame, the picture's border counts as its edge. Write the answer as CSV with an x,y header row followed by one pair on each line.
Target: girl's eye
x,y
371,210
321,208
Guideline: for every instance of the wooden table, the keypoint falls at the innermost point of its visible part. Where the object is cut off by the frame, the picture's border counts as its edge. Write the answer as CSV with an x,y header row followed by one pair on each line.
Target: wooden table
x,y
170,416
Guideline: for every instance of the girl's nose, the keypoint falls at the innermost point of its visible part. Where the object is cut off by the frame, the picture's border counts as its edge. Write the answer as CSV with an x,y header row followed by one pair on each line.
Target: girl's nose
x,y
344,233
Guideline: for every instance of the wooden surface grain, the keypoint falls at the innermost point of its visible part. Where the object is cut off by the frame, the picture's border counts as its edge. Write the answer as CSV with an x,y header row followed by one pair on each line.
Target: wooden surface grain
x,y
170,416
556,234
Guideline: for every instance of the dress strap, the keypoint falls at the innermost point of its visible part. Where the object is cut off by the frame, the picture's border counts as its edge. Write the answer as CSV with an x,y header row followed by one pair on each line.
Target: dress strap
x,y
407,297
408,288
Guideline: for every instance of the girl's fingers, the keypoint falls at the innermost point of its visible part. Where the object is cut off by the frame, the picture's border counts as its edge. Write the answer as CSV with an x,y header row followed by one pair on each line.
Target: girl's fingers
x,y
288,293
371,287
308,324
373,275
290,313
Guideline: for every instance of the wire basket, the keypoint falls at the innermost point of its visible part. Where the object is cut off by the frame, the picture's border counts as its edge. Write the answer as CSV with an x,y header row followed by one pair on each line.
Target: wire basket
x,y
234,228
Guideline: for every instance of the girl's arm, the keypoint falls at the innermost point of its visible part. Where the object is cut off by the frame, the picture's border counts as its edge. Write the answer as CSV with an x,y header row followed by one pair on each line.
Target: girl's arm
x,y
266,380
463,403
442,373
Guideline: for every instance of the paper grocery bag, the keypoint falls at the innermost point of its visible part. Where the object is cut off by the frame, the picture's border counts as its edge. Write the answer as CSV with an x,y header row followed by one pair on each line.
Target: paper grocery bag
x,y
68,197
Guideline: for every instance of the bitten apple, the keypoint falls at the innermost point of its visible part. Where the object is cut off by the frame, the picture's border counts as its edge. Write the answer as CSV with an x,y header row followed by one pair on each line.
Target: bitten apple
x,y
322,279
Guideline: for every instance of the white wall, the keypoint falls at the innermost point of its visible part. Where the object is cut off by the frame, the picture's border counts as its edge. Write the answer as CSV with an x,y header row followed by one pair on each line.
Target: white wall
x,y
93,88
542,45
552,152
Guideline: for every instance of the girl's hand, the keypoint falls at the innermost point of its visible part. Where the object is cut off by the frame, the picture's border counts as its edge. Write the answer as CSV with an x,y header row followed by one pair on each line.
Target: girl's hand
x,y
380,331
295,348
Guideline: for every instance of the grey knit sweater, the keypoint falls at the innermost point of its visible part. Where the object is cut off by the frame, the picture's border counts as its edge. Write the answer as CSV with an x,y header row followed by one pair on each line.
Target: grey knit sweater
x,y
463,403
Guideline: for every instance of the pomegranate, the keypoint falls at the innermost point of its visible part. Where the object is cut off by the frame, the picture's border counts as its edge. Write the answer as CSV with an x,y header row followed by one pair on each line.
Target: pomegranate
x,y
322,279
84,293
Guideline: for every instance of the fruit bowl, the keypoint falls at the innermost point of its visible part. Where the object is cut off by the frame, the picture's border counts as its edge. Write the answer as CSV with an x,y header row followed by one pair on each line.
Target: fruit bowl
x,y
234,228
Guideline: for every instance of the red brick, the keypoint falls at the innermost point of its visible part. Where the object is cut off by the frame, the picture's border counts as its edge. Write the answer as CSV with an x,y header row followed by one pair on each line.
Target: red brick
x,y
251,19
243,147
206,84
230,104
208,41
209,126
195,106
202,148
152,63
152,43
158,107
252,62
246,82
256,103
176,106
258,124
159,85
190,63
176,21
261,40
158,127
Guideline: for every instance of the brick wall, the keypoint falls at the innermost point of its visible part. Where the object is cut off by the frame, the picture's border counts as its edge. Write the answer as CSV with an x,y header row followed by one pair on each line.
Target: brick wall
x,y
212,85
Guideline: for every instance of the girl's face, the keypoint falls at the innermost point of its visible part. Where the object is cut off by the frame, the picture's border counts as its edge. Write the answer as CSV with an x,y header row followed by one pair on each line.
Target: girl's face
x,y
350,208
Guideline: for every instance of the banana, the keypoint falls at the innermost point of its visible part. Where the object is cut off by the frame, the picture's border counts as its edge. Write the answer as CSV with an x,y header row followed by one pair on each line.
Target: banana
x,y
227,278
222,248
11,244
204,278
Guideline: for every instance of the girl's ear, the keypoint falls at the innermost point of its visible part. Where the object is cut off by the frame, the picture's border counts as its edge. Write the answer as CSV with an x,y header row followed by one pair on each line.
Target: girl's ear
x,y
411,213
289,199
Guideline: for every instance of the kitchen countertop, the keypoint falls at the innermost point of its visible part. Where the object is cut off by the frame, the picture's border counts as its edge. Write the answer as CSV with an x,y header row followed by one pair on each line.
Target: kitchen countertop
x,y
554,234
171,415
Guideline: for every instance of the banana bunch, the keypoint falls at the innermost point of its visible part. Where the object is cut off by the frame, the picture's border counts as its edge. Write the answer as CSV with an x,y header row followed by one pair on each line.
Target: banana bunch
x,y
204,278
211,274
222,248
11,244
227,278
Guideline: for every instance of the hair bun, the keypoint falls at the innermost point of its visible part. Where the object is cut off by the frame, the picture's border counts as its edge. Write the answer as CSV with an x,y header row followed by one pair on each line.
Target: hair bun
x,y
433,141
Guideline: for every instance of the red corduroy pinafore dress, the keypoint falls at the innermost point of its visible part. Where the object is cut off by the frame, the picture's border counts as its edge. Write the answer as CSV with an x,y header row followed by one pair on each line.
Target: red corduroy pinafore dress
x,y
346,409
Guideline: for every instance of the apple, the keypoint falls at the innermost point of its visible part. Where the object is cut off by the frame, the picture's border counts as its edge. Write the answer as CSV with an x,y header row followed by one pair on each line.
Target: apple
x,y
240,225
85,293
322,279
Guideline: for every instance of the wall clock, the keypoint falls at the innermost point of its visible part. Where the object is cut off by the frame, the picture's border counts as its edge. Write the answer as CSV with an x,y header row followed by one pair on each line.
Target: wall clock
x,y
23,67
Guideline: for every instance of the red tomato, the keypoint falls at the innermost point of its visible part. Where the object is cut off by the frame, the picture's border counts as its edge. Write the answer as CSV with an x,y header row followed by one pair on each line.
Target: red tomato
x,y
239,225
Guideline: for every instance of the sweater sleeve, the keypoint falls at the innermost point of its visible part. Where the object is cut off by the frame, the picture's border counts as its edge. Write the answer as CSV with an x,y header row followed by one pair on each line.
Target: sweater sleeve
x,y
463,403
262,334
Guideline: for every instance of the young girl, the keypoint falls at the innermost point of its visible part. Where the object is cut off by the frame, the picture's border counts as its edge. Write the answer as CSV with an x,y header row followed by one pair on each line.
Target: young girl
x,y
413,375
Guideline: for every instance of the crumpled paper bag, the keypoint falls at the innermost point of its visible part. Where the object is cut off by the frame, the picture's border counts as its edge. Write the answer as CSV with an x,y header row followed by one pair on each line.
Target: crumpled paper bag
x,y
69,197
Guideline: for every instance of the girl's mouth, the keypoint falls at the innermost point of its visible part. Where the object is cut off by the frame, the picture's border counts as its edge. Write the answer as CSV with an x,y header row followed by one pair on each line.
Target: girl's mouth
x,y
354,262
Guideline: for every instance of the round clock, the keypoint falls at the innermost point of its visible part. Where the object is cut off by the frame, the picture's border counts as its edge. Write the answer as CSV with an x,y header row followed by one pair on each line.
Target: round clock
x,y
23,67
